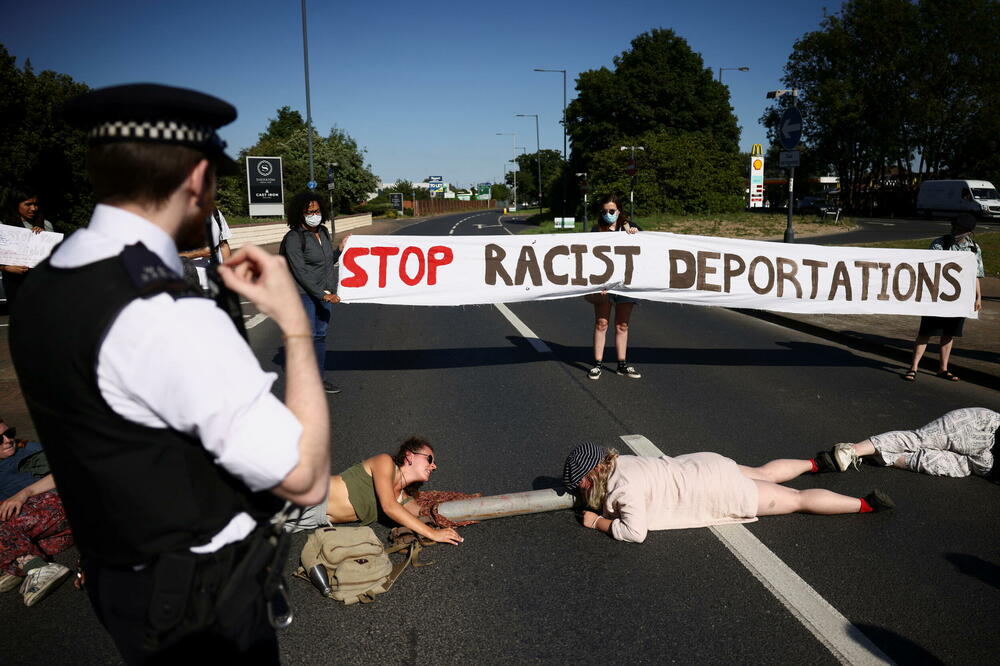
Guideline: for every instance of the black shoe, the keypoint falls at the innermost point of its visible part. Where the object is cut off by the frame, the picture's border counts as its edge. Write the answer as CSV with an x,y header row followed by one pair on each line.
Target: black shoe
x,y
824,462
330,388
879,501
628,370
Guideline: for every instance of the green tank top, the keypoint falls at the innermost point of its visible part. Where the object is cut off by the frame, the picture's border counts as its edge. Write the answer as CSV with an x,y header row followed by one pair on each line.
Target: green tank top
x,y
361,493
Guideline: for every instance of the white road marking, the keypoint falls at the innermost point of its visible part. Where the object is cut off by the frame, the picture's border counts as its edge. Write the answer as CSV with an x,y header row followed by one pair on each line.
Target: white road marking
x,y
525,332
452,232
845,641
256,319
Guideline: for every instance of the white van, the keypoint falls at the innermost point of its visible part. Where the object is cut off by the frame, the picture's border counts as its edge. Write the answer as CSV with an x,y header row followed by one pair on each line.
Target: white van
x,y
950,197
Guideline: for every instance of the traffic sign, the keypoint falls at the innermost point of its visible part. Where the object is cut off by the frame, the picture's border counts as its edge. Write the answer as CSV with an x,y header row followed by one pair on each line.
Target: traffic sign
x,y
790,128
630,167
311,184
788,158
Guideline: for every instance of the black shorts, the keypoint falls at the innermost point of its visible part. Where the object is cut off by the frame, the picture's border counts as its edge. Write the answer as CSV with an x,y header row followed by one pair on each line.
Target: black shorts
x,y
941,326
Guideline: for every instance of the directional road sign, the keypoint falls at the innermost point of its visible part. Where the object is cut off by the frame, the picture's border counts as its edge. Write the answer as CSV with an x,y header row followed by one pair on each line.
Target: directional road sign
x,y
790,128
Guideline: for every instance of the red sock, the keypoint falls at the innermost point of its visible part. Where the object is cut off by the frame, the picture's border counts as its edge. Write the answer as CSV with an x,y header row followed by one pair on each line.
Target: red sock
x,y
815,467
865,506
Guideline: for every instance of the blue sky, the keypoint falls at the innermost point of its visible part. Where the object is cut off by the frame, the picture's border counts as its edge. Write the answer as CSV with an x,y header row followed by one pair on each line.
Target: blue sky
x,y
424,87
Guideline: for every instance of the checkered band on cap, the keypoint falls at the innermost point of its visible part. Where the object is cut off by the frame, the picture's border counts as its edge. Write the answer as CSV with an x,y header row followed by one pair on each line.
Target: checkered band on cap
x,y
580,461
159,131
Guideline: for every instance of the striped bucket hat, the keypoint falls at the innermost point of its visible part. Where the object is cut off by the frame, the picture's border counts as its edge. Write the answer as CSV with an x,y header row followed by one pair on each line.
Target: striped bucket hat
x,y
580,461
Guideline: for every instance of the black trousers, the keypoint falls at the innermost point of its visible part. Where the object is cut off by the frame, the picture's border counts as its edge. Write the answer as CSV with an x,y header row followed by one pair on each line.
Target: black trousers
x,y
121,598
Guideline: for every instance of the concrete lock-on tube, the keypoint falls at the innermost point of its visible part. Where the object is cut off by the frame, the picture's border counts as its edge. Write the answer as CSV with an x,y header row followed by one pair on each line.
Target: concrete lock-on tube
x,y
511,504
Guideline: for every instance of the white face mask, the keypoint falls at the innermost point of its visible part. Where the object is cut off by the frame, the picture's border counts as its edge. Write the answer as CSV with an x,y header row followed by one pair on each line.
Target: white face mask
x,y
314,220
610,218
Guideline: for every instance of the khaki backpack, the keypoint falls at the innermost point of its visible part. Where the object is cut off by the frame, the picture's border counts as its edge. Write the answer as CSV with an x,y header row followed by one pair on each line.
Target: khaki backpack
x,y
357,565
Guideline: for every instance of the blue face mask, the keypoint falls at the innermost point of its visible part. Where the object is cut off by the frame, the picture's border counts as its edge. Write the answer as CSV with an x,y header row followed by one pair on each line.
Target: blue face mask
x,y
610,218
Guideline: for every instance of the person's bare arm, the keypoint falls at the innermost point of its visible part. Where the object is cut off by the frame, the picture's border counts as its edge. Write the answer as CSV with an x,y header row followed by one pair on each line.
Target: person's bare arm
x,y
383,469
264,280
225,251
11,506
195,254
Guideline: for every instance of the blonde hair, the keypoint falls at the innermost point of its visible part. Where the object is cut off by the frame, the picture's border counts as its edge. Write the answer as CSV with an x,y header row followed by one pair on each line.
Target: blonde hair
x,y
593,495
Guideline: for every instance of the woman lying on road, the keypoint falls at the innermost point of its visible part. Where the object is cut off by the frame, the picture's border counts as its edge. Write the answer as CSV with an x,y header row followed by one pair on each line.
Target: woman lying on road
x,y
378,487
635,494
960,443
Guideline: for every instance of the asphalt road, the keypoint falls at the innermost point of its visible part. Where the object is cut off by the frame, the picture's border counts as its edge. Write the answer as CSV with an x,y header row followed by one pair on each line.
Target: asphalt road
x,y
875,230
921,583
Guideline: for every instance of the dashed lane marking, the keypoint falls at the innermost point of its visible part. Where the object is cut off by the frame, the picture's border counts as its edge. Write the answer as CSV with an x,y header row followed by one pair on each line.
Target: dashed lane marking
x,y
525,332
256,319
845,641
452,232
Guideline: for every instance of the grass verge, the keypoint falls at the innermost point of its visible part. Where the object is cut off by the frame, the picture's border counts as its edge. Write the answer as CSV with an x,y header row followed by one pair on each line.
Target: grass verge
x,y
988,241
729,225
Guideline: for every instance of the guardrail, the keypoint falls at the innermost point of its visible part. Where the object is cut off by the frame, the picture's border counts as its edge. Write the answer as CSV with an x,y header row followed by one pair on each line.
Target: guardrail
x,y
272,232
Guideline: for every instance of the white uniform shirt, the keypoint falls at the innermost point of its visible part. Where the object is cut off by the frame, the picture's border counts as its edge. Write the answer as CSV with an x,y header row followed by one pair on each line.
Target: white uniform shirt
x,y
181,364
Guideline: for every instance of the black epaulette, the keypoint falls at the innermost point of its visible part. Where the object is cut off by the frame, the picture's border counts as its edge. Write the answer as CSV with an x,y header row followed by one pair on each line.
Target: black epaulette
x,y
151,276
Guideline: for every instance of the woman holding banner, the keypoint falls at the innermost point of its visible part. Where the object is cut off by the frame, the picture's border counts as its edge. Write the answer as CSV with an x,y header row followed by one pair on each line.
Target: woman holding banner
x,y
627,496
312,256
948,328
612,219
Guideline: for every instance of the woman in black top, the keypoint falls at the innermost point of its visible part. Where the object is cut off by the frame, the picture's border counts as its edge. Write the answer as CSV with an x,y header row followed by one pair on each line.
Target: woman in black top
x,y
612,219
312,256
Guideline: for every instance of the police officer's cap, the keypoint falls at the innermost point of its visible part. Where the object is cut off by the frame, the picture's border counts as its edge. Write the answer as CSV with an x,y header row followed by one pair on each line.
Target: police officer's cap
x,y
153,113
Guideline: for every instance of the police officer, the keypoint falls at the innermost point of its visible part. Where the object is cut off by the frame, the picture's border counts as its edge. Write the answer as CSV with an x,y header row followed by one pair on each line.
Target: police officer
x,y
169,450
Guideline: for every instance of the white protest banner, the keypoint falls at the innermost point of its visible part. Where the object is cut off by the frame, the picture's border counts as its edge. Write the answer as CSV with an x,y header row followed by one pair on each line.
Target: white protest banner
x,y
20,246
699,270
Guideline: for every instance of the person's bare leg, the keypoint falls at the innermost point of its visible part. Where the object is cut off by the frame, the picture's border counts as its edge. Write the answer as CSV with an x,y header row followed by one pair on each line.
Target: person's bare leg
x,y
602,311
623,312
919,347
777,471
865,448
946,344
775,500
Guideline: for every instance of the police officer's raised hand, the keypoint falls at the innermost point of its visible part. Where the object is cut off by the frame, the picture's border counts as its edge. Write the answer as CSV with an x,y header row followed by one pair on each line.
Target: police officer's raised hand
x,y
263,278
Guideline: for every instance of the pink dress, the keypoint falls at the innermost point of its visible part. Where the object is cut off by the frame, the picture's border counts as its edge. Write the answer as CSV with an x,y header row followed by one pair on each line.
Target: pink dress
x,y
665,493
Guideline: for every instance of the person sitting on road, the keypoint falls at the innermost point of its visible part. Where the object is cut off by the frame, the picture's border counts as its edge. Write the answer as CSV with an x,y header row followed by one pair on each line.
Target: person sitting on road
x,y
626,496
379,487
33,523
960,443
948,328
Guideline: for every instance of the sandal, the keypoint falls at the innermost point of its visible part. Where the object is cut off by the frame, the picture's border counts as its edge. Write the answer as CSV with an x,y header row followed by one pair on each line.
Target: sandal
x,y
910,376
944,374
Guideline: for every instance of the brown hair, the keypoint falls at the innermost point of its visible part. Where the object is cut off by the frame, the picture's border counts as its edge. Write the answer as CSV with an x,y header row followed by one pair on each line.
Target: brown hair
x,y
611,198
411,445
593,495
145,173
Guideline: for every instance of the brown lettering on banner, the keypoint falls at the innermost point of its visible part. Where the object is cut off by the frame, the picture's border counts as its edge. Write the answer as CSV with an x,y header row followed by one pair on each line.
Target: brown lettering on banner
x,y
814,266
734,267
841,278
550,273
628,251
752,274
494,265
883,294
924,279
601,252
704,269
901,296
578,252
787,270
865,266
527,262
947,271
681,279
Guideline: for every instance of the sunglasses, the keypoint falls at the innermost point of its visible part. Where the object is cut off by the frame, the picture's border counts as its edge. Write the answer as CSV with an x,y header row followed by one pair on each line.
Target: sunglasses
x,y
430,456
9,433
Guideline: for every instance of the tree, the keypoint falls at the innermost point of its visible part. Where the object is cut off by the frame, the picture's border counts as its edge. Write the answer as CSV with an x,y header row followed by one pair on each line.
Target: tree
x,y
659,89
895,91
527,181
286,137
40,150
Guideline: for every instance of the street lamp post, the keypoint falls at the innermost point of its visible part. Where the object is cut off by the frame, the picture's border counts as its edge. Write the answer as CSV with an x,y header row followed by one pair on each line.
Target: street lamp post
x,y
565,161
585,188
538,155
514,153
789,229
631,193
309,122
733,69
